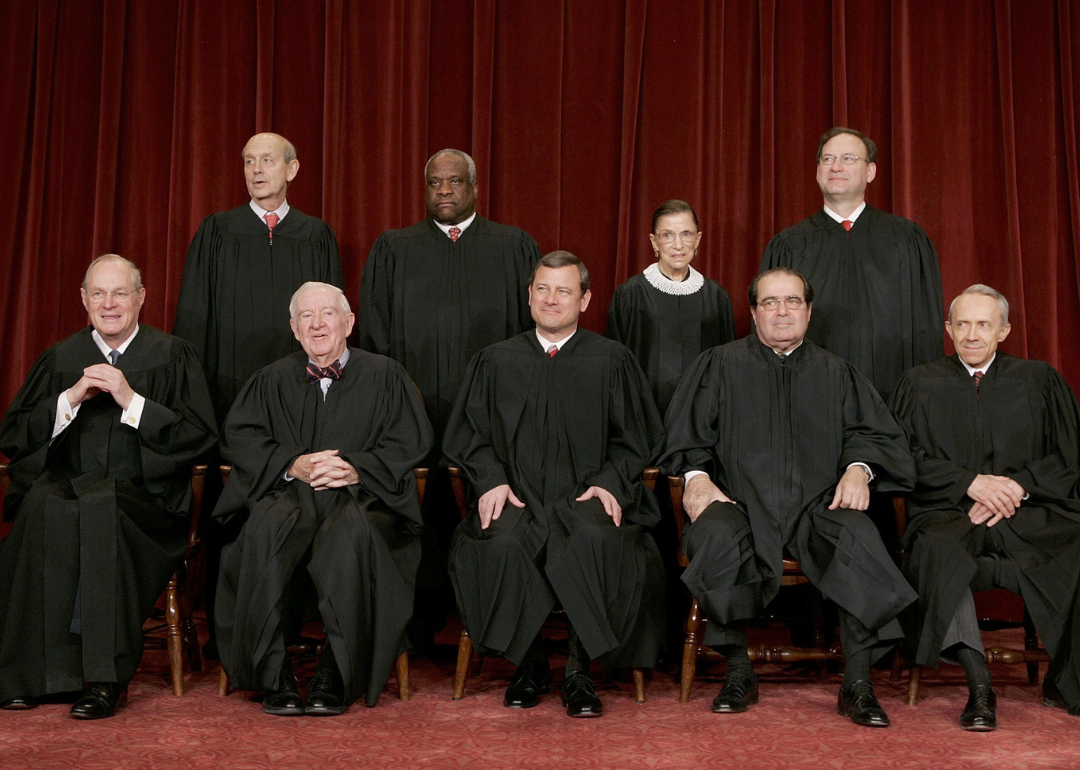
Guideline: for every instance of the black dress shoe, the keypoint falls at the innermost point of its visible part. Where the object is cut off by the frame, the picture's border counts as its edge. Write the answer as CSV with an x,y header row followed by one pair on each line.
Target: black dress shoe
x,y
285,701
19,703
580,698
980,713
100,700
326,694
531,679
740,690
1052,697
859,702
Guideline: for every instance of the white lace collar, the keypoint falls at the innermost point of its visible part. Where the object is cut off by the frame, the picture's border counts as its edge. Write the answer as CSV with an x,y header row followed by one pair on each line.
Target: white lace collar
x,y
658,280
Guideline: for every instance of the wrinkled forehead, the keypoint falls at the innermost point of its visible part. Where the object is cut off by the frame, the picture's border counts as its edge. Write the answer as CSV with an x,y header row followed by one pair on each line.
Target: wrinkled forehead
x,y
566,277
317,301
779,285
111,274
448,166
260,146
976,308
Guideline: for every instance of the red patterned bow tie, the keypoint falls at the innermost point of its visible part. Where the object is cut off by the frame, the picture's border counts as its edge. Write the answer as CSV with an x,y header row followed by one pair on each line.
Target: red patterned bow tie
x,y
315,373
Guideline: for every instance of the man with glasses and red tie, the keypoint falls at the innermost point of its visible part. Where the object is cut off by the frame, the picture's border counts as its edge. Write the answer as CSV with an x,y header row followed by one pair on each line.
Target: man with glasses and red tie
x,y
876,276
996,502
780,442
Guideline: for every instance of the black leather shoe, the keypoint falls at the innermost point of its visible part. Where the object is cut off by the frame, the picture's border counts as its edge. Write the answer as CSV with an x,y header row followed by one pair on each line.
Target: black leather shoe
x,y
326,694
580,698
100,700
860,703
980,713
286,700
19,703
1052,697
531,679
740,691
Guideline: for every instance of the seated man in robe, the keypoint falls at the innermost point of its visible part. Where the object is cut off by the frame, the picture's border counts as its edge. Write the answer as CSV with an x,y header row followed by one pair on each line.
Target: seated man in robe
x,y
996,502
553,428
101,437
322,445
780,441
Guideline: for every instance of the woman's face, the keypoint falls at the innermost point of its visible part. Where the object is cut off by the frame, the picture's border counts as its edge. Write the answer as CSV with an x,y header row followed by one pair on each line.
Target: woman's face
x,y
676,240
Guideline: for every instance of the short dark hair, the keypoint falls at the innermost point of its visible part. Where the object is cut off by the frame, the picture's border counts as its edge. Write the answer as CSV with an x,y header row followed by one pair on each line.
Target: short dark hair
x,y
557,259
808,290
871,148
673,206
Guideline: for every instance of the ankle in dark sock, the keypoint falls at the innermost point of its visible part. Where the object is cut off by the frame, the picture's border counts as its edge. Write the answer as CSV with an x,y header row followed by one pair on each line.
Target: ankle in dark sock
x,y
738,659
974,664
857,667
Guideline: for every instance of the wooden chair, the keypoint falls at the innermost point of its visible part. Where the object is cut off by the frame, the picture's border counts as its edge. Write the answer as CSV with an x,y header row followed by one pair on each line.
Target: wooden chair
x,y
821,652
401,665
1032,654
465,647
179,625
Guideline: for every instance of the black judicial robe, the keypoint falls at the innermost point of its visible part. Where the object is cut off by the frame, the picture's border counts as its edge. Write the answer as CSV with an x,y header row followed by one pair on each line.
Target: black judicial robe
x,y
362,539
431,303
776,437
667,331
99,513
551,428
1022,423
234,299
877,290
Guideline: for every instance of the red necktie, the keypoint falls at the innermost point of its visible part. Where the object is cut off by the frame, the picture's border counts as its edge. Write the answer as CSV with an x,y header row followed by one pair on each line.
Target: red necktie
x,y
455,233
552,351
271,222
978,379
847,224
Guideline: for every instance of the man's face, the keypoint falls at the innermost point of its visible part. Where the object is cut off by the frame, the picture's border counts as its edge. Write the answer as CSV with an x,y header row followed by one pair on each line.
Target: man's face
x,y
556,301
451,197
321,325
783,328
266,172
976,328
111,301
845,183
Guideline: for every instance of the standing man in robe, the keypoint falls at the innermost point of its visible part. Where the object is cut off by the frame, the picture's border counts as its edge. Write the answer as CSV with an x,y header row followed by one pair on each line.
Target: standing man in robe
x,y
996,503
101,437
553,429
875,275
322,443
432,296
780,441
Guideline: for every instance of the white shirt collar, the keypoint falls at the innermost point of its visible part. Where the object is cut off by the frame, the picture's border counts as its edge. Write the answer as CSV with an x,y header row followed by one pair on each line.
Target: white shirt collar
x,y
850,217
343,359
261,213
103,346
971,369
463,226
546,344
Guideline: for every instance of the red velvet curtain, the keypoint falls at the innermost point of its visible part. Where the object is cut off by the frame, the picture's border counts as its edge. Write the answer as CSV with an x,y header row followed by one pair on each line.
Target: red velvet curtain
x,y
122,124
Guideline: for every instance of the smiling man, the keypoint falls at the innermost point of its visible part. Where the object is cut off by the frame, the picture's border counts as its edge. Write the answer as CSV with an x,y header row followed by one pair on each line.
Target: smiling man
x,y
996,504
322,444
876,275
780,442
101,439
553,429
432,295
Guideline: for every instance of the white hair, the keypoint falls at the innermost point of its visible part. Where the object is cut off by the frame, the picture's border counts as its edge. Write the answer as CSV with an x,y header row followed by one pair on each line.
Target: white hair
x,y
344,302
457,154
985,291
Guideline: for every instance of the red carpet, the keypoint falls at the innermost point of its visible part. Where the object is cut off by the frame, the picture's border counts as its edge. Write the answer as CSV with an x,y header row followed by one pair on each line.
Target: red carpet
x,y
794,726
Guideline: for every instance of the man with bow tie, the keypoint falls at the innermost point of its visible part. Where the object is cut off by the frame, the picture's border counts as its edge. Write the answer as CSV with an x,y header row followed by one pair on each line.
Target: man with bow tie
x,y
322,445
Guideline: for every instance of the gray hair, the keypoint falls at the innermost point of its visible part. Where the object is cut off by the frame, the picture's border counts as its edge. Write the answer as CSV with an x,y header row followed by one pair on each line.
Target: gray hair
x,y
557,259
342,299
457,154
136,276
288,150
986,291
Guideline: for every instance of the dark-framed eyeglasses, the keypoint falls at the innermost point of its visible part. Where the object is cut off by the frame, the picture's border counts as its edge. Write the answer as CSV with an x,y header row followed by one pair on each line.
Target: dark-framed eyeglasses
x,y
686,236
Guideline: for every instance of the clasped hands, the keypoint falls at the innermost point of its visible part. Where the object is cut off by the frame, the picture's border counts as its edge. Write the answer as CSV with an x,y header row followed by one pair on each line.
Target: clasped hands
x,y
324,470
492,502
996,498
101,378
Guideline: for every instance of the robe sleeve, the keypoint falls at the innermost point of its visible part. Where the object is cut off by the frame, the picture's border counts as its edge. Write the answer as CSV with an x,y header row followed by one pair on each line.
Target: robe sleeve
x,y
778,253
940,483
1055,473
872,436
617,326
375,310
469,439
194,312
326,247
526,256
927,307
693,420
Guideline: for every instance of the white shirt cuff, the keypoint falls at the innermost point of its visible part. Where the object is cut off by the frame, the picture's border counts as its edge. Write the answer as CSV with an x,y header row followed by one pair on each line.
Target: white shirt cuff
x,y
690,474
866,468
133,413
65,413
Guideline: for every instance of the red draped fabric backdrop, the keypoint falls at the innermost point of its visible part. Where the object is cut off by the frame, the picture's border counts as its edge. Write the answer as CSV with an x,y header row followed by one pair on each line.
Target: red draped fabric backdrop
x,y
122,124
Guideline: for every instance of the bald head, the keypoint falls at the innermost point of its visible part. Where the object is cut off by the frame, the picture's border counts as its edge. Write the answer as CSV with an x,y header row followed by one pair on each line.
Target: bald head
x,y
270,164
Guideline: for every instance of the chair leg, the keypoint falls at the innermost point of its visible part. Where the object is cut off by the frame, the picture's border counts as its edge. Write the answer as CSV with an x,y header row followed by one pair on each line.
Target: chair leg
x,y
187,622
175,640
402,663
639,686
914,676
223,684
819,634
464,654
897,665
690,651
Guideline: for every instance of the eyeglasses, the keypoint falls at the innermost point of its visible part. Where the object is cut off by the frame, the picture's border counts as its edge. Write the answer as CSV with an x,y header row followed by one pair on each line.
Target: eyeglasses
x,y
792,303
847,160
669,237
121,295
